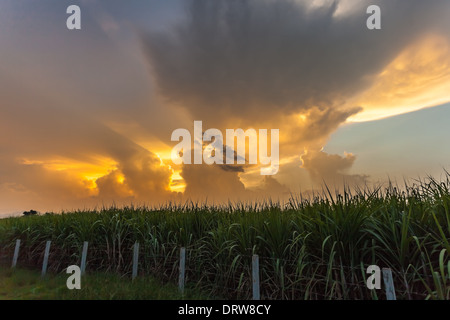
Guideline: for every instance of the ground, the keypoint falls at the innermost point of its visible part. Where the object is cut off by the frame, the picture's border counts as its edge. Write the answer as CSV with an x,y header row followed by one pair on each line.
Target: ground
x,y
23,284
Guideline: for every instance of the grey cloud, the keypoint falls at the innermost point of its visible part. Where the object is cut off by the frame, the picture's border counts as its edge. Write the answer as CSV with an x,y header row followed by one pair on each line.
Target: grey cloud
x,y
255,58
253,62
332,168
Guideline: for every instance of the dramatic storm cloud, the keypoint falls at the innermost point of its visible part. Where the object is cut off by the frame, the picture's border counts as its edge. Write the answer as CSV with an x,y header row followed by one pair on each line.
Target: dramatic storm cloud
x,y
283,64
86,116
256,58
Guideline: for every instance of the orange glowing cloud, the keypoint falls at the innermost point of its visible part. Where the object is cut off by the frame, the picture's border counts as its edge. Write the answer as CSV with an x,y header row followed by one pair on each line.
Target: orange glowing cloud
x,y
418,77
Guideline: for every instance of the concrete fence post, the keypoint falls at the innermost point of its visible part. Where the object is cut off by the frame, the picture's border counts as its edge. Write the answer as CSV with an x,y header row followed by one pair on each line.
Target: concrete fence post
x,y
135,260
389,284
182,270
84,257
16,254
46,254
255,277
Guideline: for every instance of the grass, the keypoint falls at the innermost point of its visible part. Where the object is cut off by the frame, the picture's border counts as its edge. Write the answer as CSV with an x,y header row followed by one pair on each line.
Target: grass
x,y
309,248
24,284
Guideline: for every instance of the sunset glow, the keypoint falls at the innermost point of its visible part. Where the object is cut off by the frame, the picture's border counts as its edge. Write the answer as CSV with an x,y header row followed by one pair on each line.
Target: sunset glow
x,y
87,114
418,77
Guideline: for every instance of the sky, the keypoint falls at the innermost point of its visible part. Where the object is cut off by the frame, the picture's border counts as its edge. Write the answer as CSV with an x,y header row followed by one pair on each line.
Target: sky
x,y
86,116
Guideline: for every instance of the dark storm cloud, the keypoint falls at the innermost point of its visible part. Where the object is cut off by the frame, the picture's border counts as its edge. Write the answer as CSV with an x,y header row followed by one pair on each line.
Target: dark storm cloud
x,y
253,62
255,58
85,96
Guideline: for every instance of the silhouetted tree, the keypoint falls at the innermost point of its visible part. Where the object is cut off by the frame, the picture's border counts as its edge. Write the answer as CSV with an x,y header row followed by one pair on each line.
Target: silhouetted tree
x,y
30,213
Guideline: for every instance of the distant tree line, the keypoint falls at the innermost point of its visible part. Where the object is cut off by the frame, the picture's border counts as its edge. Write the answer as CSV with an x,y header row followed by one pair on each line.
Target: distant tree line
x,y
30,213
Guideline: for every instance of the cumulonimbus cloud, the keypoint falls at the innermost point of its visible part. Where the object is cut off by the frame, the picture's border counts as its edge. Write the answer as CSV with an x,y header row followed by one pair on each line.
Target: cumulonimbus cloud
x,y
282,64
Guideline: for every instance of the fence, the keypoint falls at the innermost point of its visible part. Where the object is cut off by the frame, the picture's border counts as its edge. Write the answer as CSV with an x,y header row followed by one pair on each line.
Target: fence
x,y
180,266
